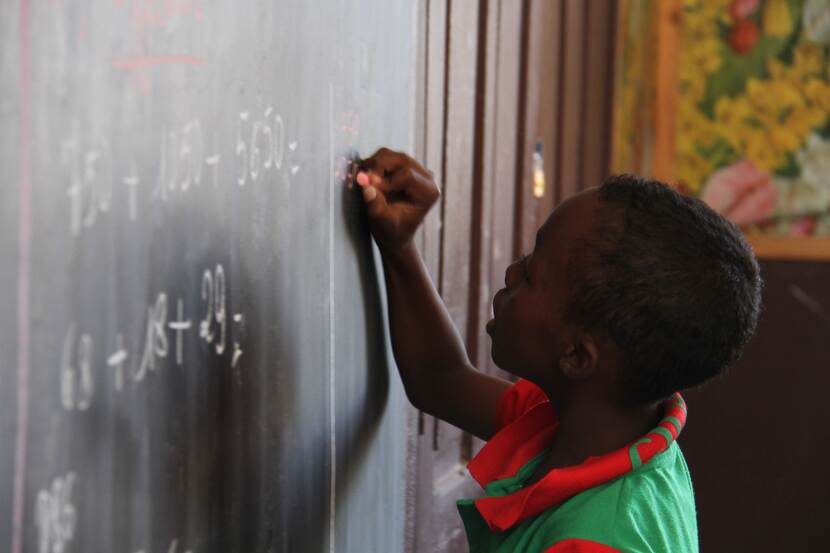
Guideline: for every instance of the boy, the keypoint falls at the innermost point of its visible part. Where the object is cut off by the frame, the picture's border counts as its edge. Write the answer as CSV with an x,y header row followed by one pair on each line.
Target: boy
x,y
631,293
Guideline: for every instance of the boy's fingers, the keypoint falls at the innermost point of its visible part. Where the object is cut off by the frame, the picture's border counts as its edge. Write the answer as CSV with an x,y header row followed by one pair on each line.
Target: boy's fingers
x,y
370,193
376,180
418,186
394,172
384,161
415,184
376,202
362,179
372,179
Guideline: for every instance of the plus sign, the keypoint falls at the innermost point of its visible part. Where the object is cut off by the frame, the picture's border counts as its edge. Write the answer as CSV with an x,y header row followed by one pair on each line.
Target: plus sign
x,y
116,360
179,326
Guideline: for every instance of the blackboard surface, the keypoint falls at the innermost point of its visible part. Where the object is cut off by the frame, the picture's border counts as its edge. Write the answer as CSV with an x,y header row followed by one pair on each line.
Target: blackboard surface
x,y
193,349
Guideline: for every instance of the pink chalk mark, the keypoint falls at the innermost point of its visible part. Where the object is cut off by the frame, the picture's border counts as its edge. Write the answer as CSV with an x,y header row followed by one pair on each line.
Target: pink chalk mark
x,y
140,66
144,16
23,277
146,13
141,62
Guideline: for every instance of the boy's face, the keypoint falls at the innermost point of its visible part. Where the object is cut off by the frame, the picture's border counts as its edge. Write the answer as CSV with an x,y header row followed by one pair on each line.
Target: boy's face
x,y
528,331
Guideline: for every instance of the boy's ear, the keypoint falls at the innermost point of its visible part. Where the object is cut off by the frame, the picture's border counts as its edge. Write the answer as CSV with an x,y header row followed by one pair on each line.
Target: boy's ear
x,y
580,358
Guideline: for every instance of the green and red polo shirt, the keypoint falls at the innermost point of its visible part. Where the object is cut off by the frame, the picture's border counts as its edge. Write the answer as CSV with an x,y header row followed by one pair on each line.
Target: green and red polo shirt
x,y
636,499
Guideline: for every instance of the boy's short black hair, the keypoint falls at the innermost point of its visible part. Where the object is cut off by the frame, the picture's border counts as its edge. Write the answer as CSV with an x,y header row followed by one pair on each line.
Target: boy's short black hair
x,y
673,283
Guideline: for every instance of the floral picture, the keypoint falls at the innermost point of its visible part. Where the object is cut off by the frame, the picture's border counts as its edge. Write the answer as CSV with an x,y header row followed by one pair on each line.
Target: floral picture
x,y
753,112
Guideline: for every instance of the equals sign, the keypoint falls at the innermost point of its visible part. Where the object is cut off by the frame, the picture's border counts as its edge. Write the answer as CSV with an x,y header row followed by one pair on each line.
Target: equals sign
x,y
237,351
293,147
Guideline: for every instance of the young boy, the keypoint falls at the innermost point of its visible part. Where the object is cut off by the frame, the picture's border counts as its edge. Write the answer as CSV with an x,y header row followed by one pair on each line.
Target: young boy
x,y
631,293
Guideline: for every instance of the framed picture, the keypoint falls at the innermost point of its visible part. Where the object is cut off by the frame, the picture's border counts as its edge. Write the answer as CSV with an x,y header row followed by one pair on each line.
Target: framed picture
x,y
729,100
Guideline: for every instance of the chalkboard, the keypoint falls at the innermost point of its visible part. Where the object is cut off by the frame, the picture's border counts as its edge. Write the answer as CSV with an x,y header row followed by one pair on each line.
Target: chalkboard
x,y
193,350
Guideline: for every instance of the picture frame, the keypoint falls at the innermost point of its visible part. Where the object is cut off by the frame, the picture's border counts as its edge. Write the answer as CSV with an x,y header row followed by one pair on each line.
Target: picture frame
x,y
677,113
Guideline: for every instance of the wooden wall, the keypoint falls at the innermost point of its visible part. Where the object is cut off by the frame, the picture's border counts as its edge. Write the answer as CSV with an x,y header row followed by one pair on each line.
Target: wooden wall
x,y
496,78
756,441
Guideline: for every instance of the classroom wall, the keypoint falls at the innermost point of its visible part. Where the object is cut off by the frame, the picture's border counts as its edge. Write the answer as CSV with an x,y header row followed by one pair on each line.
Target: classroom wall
x,y
498,78
756,440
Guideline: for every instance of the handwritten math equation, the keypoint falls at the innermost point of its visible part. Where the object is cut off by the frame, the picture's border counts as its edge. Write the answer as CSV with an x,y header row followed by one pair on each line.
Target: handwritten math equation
x,y
56,517
188,158
166,329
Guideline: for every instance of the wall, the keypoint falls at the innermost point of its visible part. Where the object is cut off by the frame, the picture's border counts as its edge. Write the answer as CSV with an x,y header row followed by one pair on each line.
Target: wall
x,y
497,77
756,442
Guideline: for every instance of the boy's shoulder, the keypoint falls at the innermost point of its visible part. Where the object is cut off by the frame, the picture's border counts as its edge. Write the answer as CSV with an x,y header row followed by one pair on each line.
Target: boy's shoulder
x,y
517,400
650,509
637,498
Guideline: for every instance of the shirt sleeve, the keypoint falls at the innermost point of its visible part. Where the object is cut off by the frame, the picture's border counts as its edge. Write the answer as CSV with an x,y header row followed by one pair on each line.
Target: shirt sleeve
x,y
517,400
576,545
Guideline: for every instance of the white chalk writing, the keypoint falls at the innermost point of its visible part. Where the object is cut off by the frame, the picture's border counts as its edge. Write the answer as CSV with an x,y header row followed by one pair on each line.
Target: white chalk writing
x,y
77,385
55,516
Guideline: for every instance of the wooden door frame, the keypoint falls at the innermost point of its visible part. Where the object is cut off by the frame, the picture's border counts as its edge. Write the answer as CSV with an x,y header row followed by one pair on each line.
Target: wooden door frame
x,y
493,76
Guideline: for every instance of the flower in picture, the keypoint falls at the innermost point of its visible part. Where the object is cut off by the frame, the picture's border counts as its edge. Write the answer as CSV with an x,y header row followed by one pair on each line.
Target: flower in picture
x,y
816,21
814,159
741,192
778,21
743,36
741,9
808,194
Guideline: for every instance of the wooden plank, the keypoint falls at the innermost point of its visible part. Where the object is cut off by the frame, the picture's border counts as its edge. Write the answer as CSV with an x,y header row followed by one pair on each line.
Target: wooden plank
x,y
526,203
482,206
598,96
790,247
449,474
435,67
435,70
634,87
484,178
503,160
458,159
417,460
421,94
620,17
541,89
572,100
456,228
667,27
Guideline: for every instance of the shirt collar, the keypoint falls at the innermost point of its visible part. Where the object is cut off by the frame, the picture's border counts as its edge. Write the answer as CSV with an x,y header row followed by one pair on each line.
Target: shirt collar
x,y
532,433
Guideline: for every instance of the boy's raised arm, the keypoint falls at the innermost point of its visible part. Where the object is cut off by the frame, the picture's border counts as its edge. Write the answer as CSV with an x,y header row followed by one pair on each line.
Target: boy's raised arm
x,y
434,367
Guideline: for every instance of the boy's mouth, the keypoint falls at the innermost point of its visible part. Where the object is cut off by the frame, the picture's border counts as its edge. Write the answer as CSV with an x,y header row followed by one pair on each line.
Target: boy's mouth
x,y
490,325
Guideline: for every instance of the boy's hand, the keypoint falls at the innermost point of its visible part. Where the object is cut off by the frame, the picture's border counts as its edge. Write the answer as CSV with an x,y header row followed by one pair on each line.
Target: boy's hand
x,y
429,352
399,192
